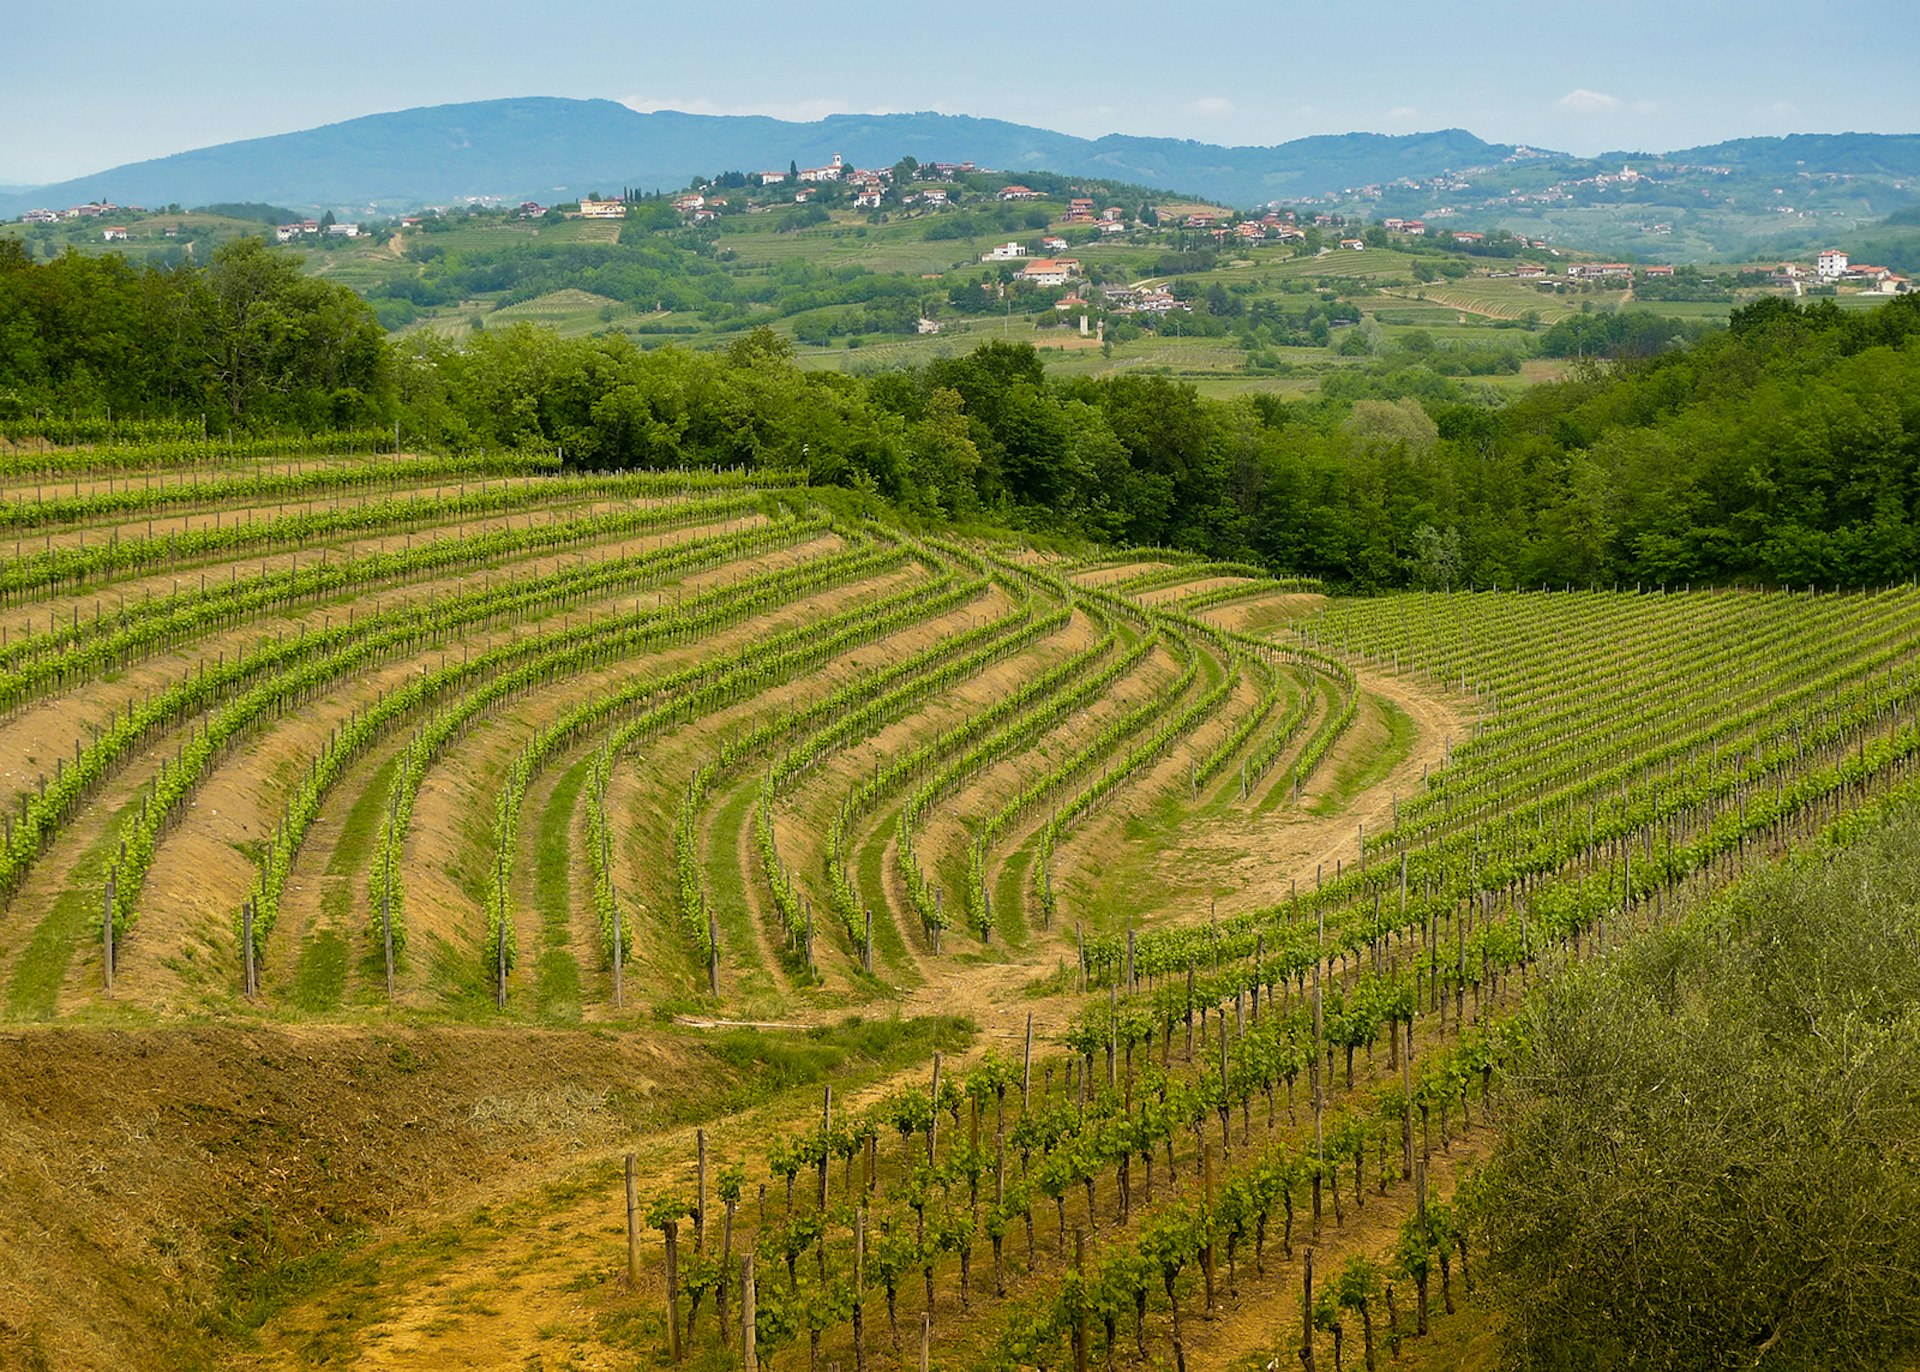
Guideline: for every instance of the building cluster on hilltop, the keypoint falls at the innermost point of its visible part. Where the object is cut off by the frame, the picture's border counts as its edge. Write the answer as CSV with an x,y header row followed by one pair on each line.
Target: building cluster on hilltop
x,y
93,210
1833,266
313,228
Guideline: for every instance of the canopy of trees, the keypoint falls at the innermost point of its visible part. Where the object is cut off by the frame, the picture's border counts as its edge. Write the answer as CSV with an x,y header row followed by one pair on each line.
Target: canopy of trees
x,y
1784,450
246,340
1708,1139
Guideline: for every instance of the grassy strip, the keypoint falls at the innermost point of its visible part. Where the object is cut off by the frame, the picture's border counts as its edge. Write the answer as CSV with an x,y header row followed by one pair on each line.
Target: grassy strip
x,y
557,993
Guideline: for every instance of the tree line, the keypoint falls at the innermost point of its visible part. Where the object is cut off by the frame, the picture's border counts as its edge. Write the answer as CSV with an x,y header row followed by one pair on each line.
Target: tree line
x,y
1784,449
246,341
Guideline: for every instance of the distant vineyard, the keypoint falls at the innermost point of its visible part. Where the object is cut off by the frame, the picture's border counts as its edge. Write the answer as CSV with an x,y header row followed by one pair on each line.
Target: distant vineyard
x,y
297,732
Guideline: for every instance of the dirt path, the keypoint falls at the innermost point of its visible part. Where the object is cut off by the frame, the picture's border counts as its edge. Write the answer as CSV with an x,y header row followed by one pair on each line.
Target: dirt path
x,y
537,1282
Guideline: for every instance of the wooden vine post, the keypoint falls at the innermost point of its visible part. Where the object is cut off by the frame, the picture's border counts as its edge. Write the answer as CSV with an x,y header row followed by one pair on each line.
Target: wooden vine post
x,y
713,949
1306,1311
700,1191
859,1289
619,950
1026,1071
749,1349
826,1141
671,1232
619,958
500,934
386,884
633,1227
249,970
1206,1191
1080,1304
999,1202
1420,1210
1319,1029
106,936
933,1116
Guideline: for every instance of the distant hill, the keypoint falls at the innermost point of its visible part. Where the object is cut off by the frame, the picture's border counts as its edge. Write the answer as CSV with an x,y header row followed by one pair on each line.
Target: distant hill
x,y
1853,154
549,148
546,148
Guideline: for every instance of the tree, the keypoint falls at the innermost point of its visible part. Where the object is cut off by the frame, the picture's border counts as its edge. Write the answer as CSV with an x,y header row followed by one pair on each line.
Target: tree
x,y
275,344
1436,557
1705,1145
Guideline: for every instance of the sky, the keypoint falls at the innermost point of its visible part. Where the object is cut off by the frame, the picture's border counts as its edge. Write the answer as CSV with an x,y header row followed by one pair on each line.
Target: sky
x,y
92,86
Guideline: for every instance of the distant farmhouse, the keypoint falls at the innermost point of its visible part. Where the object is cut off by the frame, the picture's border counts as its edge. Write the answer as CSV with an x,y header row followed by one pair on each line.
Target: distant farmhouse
x,y
1050,271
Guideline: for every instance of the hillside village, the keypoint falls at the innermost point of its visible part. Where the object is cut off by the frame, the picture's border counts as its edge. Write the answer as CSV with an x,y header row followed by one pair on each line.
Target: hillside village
x,y
912,188
1075,262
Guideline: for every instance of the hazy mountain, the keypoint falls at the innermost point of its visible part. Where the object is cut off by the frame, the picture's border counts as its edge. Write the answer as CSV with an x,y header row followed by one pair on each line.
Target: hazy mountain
x,y
1854,154
547,148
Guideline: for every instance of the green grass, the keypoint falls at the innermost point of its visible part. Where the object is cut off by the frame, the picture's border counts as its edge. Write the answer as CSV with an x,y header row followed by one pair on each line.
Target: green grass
x,y
321,965
1369,768
1280,787
1011,926
34,989
726,888
320,975
556,972
869,879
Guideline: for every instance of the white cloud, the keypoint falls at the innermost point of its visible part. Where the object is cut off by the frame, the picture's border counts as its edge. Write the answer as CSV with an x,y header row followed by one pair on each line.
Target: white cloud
x,y
1584,101
1782,109
1402,113
1212,104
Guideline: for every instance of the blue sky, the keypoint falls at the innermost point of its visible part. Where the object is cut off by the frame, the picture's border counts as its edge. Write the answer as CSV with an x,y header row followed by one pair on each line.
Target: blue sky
x,y
91,86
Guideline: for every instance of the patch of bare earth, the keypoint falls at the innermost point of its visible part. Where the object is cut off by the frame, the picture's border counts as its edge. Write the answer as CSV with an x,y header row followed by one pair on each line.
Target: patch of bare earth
x,y
149,1170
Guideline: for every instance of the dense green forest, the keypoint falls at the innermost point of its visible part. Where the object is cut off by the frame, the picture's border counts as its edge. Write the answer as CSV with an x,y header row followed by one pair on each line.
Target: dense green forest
x,y
246,341
1784,449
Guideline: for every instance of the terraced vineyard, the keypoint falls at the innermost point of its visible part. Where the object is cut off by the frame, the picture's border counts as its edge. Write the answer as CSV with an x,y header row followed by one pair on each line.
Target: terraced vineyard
x,y
1233,881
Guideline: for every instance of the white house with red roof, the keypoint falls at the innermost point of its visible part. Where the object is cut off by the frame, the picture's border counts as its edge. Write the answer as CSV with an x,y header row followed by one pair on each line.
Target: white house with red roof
x,y
1050,271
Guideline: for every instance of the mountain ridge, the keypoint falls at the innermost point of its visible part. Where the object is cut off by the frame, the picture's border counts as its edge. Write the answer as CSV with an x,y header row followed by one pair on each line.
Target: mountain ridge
x,y
550,146
553,147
